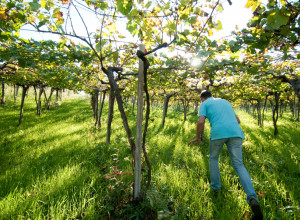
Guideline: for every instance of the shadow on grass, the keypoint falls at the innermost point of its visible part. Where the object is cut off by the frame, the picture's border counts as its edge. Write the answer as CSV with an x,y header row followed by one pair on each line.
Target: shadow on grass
x,y
17,151
45,187
36,153
39,127
274,165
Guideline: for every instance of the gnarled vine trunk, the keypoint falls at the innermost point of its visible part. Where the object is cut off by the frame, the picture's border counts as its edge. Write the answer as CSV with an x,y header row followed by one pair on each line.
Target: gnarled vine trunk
x,y
56,97
263,111
3,94
16,91
110,114
25,88
275,113
259,117
165,111
196,109
39,101
133,98
109,72
101,104
185,104
94,102
48,99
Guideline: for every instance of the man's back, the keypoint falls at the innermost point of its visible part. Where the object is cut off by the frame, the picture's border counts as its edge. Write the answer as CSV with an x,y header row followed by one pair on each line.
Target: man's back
x,y
221,117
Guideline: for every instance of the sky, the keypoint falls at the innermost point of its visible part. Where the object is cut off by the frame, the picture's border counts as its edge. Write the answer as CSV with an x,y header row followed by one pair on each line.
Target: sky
x,y
232,16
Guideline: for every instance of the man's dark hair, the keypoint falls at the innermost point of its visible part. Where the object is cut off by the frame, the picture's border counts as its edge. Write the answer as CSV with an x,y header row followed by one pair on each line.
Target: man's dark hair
x,y
205,94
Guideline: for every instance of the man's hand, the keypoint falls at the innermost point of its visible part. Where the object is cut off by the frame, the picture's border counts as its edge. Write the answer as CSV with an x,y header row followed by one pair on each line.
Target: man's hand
x,y
195,140
200,128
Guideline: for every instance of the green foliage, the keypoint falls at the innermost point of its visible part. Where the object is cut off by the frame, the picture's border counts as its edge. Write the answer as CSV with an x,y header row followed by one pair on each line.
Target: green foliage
x,y
34,5
13,14
124,6
272,26
55,64
275,26
276,19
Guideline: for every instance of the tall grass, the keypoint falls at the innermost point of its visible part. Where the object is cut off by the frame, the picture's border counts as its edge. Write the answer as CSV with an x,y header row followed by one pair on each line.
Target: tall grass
x,y
57,166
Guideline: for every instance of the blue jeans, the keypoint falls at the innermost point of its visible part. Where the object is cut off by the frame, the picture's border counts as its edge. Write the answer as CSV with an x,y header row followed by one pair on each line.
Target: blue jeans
x,y
234,146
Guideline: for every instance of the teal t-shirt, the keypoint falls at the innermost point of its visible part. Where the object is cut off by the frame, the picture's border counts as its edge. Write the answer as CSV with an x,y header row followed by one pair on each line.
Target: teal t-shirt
x,y
221,117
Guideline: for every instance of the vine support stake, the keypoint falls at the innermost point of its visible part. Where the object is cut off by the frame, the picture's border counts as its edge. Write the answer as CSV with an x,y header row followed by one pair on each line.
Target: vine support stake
x,y
139,129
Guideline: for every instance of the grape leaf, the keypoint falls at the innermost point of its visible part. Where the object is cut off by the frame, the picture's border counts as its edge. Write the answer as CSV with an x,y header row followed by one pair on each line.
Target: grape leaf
x,y
124,6
276,19
34,5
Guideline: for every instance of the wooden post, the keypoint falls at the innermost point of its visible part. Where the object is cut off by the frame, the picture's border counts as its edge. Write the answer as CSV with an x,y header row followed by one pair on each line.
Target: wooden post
x,y
139,129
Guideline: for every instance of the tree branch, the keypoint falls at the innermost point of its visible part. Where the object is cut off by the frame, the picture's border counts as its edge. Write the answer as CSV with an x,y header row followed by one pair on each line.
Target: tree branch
x,y
209,18
87,31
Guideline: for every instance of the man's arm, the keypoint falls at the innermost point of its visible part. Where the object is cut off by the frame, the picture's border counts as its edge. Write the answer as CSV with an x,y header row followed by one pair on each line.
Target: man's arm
x,y
200,128
238,119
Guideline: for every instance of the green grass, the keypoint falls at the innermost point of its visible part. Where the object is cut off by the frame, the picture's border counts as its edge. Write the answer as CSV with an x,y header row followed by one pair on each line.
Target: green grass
x,y
57,166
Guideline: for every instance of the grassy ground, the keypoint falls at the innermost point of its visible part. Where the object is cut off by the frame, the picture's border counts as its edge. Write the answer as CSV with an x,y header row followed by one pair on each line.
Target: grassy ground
x,y
57,166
